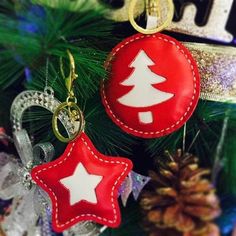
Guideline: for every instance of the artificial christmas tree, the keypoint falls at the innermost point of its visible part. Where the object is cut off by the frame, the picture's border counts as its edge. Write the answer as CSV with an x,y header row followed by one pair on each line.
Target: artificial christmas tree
x,y
34,32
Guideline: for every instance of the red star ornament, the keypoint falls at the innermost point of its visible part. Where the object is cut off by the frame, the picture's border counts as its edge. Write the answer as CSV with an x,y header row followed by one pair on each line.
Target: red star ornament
x,y
154,85
83,185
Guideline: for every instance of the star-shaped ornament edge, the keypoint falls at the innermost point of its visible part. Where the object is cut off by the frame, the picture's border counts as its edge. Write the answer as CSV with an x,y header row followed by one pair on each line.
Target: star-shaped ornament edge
x,y
59,227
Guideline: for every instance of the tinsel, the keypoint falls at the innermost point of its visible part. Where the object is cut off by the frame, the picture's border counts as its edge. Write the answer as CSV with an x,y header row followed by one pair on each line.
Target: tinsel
x,y
217,67
28,200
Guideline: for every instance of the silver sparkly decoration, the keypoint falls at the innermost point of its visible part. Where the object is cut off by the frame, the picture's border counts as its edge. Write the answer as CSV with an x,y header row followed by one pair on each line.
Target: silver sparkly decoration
x,y
134,183
85,228
16,183
44,99
45,222
22,219
215,26
217,67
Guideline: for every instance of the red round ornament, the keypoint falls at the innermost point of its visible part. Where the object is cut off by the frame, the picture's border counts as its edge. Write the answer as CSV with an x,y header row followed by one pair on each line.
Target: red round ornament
x,y
154,85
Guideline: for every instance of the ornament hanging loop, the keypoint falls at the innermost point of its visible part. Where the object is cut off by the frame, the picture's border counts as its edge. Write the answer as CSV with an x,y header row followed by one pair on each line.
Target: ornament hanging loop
x,y
152,9
70,105
75,114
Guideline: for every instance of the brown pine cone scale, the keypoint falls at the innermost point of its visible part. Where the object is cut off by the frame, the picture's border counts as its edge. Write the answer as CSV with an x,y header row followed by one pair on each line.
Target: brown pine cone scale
x,y
180,199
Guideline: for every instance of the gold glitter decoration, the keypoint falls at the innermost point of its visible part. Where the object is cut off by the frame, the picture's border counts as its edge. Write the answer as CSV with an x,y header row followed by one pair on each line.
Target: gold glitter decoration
x,y
121,14
217,67
215,27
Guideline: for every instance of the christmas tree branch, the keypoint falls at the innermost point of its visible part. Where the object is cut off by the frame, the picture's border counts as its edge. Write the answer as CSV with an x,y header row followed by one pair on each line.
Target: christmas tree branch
x,y
35,32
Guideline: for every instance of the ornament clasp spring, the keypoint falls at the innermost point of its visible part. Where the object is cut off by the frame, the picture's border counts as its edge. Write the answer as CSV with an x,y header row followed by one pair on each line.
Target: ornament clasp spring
x,y
70,105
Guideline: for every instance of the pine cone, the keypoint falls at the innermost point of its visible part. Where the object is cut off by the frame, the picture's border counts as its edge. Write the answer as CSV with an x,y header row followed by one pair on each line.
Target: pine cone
x,y
178,198
2,232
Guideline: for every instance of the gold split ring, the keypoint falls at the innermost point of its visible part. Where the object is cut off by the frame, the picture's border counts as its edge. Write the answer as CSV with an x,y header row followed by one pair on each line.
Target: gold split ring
x,y
74,113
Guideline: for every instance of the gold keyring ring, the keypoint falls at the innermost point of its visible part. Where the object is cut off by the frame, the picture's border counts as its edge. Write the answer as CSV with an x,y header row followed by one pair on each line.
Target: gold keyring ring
x,y
71,100
165,24
56,116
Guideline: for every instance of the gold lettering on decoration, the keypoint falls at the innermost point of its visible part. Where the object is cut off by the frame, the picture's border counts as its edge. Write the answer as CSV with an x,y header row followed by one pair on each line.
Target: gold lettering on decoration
x,y
215,27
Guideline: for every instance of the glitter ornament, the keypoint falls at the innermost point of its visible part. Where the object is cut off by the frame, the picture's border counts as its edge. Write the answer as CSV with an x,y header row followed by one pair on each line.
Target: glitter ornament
x,y
214,28
217,68
29,202
134,183
44,99
149,75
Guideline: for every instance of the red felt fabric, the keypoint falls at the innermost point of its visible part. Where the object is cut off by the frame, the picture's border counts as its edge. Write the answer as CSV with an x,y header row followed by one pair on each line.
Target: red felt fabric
x,y
113,169
172,61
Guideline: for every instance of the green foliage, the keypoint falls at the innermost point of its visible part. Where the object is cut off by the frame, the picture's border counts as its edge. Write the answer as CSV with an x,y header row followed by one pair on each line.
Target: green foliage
x,y
5,103
206,120
203,133
107,137
131,222
30,33
227,179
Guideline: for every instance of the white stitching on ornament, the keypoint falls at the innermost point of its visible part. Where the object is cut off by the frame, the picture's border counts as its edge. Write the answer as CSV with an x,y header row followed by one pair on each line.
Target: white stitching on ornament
x,y
187,110
82,215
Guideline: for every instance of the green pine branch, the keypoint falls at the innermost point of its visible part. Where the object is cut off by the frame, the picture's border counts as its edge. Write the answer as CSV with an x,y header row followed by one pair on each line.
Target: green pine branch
x,y
107,137
206,119
131,222
30,33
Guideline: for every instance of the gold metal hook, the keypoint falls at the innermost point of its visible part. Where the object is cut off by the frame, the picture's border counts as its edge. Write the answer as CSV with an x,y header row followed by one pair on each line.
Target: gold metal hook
x,y
152,6
76,115
69,80
69,106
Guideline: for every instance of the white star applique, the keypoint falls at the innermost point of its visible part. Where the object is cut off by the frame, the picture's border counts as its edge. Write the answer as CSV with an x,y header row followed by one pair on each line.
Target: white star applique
x,y
81,185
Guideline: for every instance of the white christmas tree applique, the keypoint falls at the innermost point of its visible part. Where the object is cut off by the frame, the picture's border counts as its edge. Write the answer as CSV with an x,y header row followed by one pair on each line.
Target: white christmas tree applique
x,y
143,93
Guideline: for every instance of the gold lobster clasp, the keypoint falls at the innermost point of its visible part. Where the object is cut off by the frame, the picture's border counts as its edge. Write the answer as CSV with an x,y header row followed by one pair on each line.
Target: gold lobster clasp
x,y
69,80
70,106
